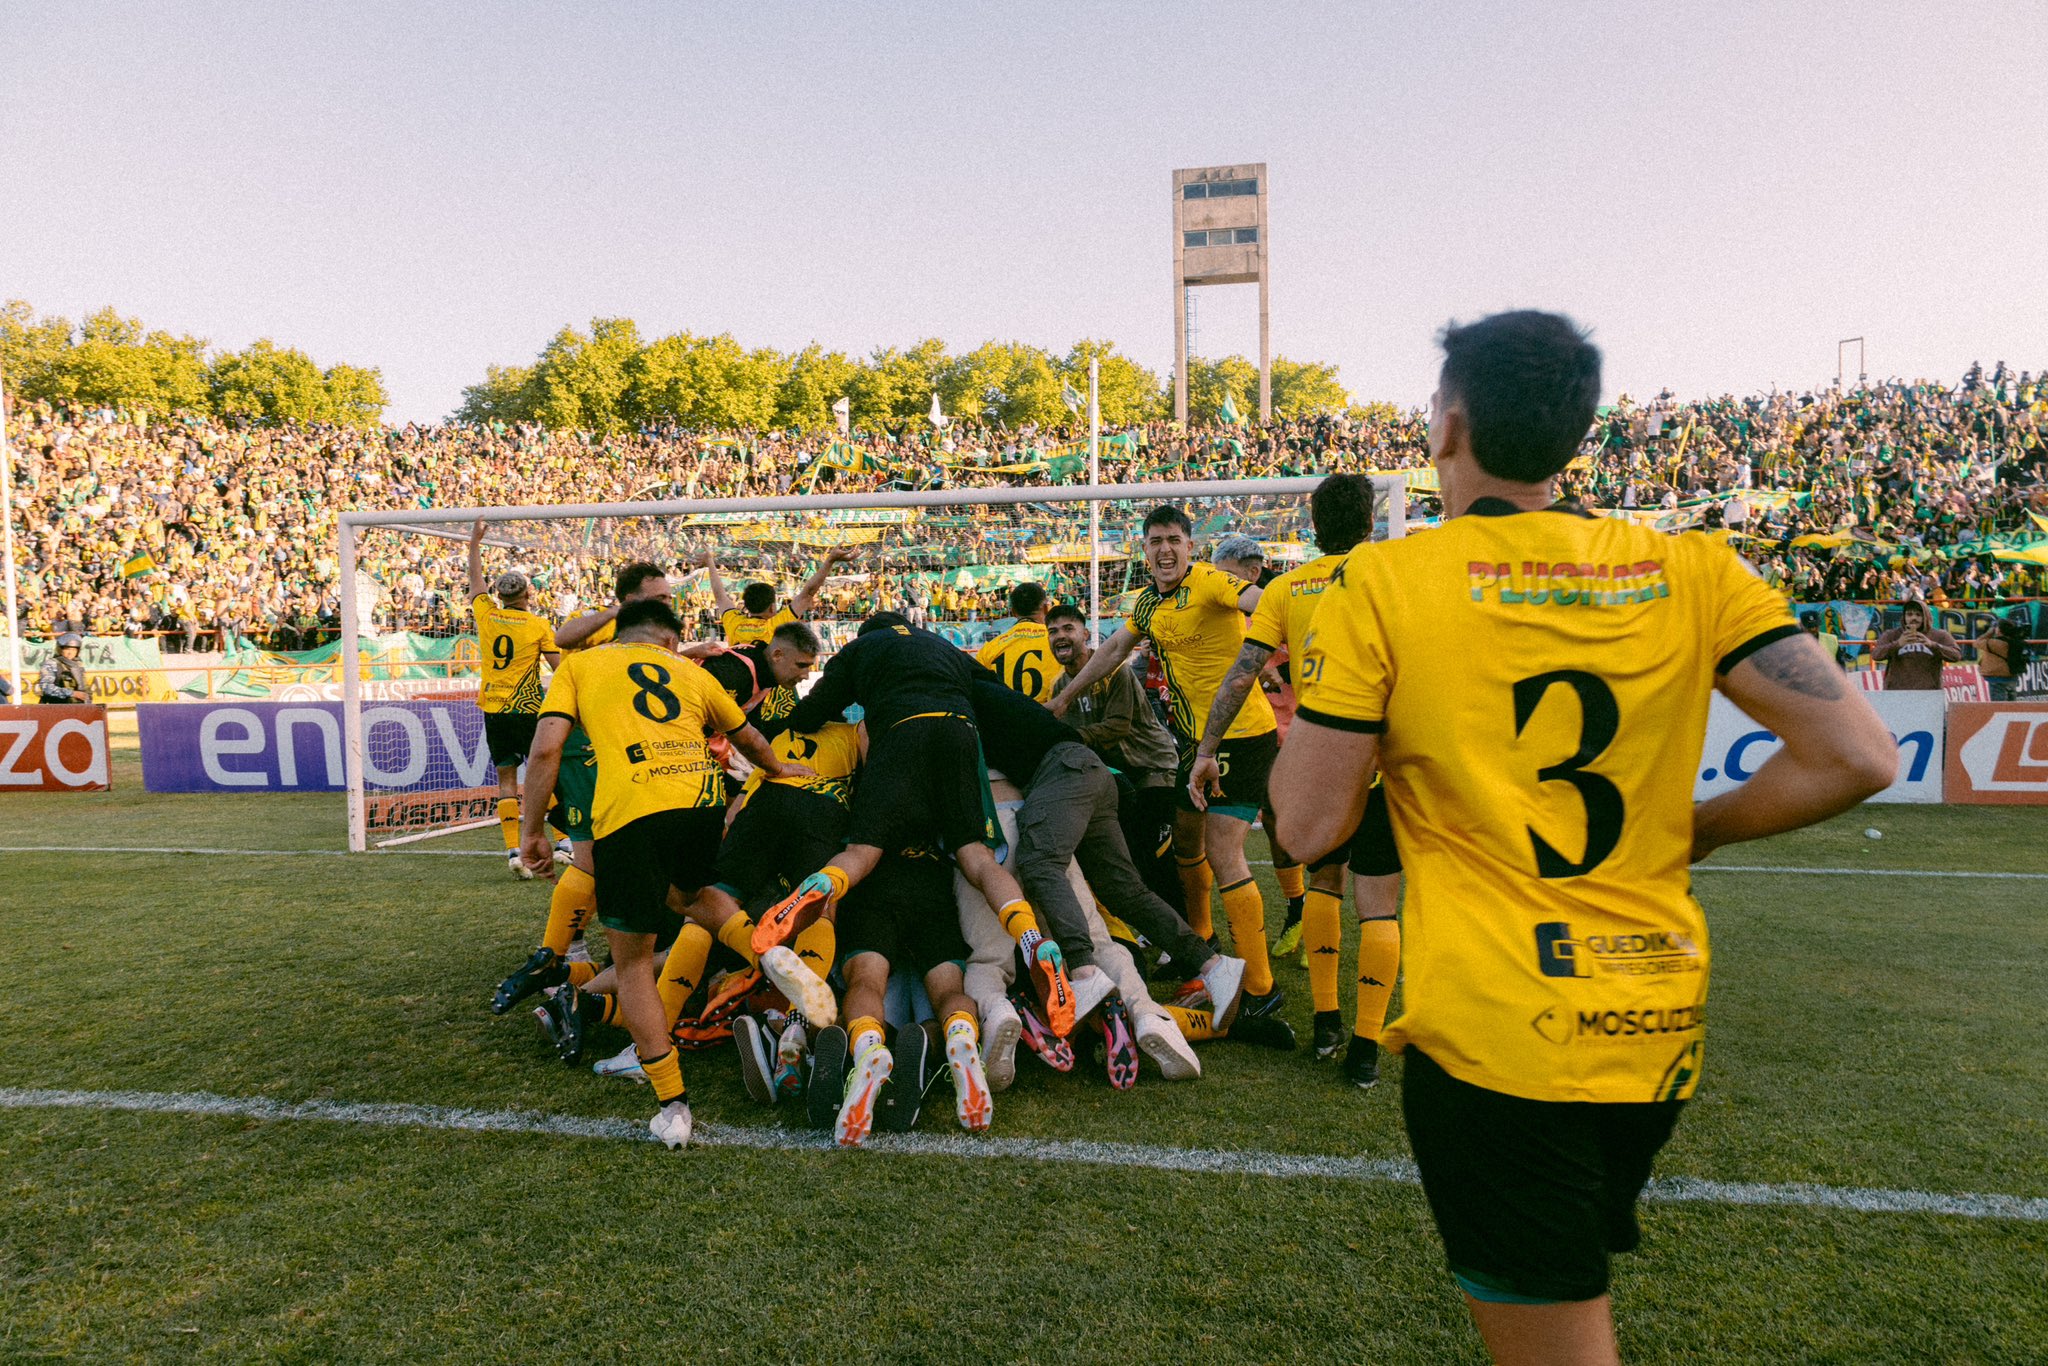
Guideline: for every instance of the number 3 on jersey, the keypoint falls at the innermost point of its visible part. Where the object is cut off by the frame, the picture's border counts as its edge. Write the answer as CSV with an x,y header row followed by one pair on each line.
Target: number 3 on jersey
x,y
1600,719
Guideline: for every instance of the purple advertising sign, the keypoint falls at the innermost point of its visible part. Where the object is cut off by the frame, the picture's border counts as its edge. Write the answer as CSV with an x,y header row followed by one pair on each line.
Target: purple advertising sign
x,y
296,746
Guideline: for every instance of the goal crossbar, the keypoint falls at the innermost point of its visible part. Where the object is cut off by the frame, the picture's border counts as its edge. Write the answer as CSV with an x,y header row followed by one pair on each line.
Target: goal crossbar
x,y
429,521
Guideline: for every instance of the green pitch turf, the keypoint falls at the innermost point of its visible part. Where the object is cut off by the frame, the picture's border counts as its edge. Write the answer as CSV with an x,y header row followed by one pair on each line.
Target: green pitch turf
x,y
1868,1032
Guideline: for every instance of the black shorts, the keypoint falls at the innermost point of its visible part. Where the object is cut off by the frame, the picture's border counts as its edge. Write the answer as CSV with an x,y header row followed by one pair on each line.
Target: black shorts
x,y
1246,763
509,735
904,911
924,780
1530,1195
1370,850
782,835
637,864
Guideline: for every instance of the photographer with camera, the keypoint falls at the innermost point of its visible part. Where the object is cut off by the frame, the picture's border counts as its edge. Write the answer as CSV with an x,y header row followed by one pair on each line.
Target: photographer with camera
x,y
2002,654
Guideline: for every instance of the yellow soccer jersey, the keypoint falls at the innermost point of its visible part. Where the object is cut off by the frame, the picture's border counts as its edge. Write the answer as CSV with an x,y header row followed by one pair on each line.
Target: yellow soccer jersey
x,y
832,752
647,712
739,629
1289,604
1022,658
511,643
1196,632
1542,681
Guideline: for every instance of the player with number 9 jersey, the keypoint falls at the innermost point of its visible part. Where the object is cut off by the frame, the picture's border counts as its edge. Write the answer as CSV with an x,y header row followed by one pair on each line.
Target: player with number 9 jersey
x,y
511,642
1541,681
647,712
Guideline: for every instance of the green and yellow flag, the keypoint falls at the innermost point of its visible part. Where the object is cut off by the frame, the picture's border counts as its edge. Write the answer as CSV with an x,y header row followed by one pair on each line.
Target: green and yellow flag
x,y
136,565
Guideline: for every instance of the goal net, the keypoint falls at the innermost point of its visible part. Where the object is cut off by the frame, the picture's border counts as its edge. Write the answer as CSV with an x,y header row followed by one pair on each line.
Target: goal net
x,y
417,765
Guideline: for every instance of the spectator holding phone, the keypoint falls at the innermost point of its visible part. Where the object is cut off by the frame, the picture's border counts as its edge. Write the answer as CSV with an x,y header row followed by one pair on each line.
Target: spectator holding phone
x,y
1912,652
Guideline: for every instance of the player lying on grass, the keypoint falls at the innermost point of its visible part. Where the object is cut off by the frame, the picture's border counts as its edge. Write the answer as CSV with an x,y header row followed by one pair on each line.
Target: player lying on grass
x,y
1533,681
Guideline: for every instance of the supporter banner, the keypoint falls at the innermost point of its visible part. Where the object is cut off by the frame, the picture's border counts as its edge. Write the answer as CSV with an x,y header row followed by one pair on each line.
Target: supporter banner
x,y
119,672
1071,552
408,747
1998,753
295,675
54,749
1737,746
1959,682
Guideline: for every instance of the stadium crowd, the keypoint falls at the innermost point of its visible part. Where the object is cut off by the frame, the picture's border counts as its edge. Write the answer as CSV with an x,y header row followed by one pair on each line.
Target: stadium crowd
x,y
215,534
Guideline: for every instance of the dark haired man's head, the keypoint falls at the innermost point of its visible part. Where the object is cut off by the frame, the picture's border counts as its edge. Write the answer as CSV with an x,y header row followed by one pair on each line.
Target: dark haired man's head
x,y
1341,509
1518,392
1027,600
650,619
884,621
641,579
1914,616
1066,630
792,651
1169,546
758,599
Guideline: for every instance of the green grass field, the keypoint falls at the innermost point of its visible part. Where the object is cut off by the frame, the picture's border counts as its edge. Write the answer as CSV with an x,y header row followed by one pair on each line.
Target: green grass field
x,y
1869,1032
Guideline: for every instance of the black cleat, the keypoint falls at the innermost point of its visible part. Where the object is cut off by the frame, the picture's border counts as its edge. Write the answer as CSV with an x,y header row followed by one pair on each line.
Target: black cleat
x,y
537,974
904,1093
564,1024
1362,1063
1329,1035
1260,1006
827,1086
1267,1031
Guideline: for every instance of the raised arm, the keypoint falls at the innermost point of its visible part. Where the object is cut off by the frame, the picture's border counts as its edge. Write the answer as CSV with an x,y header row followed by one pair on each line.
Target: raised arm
x,y
1836,751
762,755
1205,778
721,601
476,560
807,596
1111,655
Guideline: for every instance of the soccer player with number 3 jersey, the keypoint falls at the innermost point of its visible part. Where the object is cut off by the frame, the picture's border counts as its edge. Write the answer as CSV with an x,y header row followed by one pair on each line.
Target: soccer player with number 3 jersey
x,y
1533,681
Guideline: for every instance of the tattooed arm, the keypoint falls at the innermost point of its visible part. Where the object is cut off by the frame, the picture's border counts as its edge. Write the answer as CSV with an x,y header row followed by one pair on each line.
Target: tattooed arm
x,y
1206,778
1836,750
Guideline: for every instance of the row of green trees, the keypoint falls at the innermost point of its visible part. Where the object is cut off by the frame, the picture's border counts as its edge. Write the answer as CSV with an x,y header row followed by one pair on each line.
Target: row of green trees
x,y
115,362
610,378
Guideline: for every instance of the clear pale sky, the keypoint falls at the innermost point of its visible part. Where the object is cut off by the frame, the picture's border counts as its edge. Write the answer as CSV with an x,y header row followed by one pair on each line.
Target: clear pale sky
x,y
1720,190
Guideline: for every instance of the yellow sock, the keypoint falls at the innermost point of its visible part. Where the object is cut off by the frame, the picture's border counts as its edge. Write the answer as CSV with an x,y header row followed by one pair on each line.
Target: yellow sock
x,y
569,909
665,1075
1195,1025
837,876
1245,909
859,1030
683,970
817,944
737,934
1017,919
1290,879
1322,934
508,821
1379,963
963,1020
1195,882
581,973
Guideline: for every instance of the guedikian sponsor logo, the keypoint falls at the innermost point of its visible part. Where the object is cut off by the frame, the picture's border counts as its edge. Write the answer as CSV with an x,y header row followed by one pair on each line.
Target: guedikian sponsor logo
x,y
1562,1024
1655,953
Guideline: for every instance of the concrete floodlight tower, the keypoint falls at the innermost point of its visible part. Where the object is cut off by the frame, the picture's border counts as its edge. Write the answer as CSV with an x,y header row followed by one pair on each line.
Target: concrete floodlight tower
x,y
1219,238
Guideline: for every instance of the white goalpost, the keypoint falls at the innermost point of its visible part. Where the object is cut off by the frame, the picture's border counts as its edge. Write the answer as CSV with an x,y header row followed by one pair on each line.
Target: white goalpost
x,y
431,777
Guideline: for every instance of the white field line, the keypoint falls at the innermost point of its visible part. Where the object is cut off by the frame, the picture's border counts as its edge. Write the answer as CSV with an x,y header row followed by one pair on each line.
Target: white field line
x,y
1078,1152
1256,863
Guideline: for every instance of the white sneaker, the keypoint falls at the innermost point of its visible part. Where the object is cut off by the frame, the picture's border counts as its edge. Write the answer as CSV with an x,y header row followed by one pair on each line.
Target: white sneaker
x,y
974,1104
564,855
517,866
864,1080
1160,1039
1224,977
1092,986
672,1124
755,1071
806,991
623,1065
1000,1031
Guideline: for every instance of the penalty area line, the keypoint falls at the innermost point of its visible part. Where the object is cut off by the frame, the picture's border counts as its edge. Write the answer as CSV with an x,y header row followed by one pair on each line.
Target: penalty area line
x,y
1076,1152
